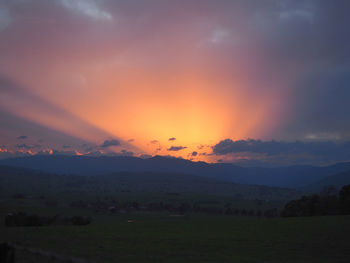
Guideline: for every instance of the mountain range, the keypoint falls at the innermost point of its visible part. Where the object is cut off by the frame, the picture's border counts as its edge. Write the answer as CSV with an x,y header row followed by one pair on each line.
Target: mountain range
x,y
290,177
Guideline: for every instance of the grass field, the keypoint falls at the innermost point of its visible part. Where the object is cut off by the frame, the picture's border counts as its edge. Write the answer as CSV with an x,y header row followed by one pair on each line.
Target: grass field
x,y
156,237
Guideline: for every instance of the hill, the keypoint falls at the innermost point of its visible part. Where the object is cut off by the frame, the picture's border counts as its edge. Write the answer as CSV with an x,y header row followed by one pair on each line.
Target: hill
x,y
31,182
337,180
292,176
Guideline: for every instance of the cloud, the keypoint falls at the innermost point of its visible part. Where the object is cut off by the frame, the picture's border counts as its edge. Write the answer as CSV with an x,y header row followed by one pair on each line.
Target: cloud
x,y
297,14
172,139
219,35
277,147
154,142
112,142
27,146
194,153
66,146
5,18
22,137
88,8
298,151
131,140
303,45
176,148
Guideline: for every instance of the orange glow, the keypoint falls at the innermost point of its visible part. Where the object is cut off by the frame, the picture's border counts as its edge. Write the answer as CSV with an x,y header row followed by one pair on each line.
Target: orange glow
x,y
121,94
3,150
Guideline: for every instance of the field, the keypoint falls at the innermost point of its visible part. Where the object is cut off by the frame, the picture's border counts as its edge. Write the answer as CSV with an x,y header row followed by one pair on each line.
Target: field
x,y
150,232
158,237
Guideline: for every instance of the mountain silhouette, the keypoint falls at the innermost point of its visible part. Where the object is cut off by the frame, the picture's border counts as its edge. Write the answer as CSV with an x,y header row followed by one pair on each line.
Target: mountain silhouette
x,y
292,176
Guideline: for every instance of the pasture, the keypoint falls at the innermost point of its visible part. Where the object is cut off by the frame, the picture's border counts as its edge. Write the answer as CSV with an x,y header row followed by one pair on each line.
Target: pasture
x,y
158,237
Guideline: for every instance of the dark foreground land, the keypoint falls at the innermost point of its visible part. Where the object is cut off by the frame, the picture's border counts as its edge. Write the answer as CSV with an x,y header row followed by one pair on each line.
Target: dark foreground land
x,y
133,221
158,237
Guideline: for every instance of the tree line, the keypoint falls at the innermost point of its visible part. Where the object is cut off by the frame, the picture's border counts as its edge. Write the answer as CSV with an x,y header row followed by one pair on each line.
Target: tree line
x,y
328,202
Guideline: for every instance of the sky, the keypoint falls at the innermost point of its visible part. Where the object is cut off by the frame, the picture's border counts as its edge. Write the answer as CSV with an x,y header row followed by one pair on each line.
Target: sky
x,y
253,82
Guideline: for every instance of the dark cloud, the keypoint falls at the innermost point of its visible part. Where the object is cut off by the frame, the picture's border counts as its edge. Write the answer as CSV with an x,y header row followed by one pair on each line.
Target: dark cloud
x,y
66,146
320,151
22,137
112,142
176,148
194,153
172,139
277,147
131,140
27,146
154,142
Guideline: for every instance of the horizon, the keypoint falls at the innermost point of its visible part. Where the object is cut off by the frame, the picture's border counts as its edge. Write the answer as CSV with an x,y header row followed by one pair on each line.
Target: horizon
x,y
243,164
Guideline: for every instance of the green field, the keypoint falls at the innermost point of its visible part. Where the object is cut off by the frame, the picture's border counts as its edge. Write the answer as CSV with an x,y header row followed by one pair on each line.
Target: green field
x,y
157,237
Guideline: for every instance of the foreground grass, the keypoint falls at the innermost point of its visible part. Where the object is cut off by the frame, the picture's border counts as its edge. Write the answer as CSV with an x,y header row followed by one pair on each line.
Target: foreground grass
x,y
195,239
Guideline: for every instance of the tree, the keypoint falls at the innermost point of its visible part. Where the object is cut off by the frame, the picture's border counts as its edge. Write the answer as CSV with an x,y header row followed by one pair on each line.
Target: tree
x,y
7,253
344,199
228,211
327,203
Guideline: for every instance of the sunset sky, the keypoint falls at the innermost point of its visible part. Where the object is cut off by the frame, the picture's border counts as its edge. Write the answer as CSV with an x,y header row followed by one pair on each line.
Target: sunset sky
x,y
252,82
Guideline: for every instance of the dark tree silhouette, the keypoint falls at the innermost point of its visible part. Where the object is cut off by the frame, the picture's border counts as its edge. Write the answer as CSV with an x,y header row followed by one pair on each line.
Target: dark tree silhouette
x,y
327,203
7,253
344,198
